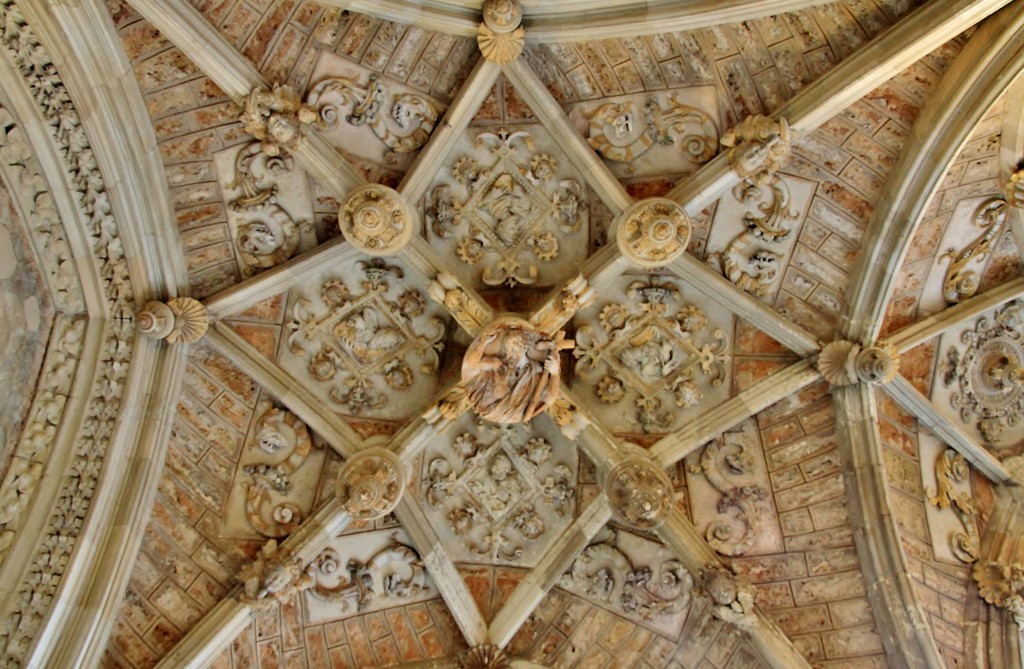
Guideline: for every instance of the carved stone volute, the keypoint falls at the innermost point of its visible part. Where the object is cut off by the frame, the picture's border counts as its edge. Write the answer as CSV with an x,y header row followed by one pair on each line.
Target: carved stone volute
x,y
179,320
1014,190
275,575
843,363
731,598
653,232
484,657
276,117
376,220
640,493
371,483
500,36
757,147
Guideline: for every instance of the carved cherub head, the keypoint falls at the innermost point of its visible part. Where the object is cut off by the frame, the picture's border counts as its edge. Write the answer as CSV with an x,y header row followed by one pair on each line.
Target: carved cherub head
x,y
258,239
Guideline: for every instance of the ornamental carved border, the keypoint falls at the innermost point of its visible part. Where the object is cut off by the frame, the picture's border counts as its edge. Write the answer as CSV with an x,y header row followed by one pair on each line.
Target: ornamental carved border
x,y
59,536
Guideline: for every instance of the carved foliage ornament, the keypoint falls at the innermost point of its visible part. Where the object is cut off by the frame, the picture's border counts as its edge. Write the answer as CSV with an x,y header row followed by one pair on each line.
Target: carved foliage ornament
x,y
363,343
393,574
277,117
500,36
500,489
732,599
603,572
511,370
402,121
370,483
640,493
653,232
181,319
757,148
987,374
960,281
376,220
650,352
275,575
620,133
508,212
951,467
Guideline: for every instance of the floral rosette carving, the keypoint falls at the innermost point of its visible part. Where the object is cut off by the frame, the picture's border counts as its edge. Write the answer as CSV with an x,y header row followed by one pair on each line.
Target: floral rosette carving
x,y
653,232
651,350
366,345
376,220
506,213
640,493
501,490
987,374
370,483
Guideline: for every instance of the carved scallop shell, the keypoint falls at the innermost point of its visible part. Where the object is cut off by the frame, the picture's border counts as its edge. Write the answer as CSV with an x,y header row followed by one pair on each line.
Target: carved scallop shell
x,y
500,48
835,362
484,657
190,320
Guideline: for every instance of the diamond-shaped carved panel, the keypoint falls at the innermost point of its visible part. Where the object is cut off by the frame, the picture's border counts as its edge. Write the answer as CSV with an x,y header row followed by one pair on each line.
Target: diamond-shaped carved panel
x,y
499,494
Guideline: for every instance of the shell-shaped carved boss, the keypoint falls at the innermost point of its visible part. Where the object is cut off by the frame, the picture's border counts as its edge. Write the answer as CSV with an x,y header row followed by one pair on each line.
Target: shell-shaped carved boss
x,y
179,320
653,232
640,493
371,483
376,220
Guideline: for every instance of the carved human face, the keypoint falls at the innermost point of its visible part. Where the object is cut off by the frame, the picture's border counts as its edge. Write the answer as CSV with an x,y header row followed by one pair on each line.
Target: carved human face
x,y
270,440
258,239
622,123
402,113
281,128
501,467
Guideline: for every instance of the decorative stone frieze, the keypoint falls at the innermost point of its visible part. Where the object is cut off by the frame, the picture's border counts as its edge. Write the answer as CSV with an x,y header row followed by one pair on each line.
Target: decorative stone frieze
x,y
843,363
951,467
960,281
652,232
179,320
484,657
732,598
987,375
274,576
757,147
276,117
376,220
511,370
392,574
621,132
500,36
640,493
370,483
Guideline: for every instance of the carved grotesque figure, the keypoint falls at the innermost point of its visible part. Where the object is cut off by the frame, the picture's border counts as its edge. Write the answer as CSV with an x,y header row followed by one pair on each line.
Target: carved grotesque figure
x,y
511,371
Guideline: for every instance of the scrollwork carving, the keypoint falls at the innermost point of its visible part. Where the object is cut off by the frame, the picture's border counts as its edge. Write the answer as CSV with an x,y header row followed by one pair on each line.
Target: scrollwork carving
x,y
621,134
392,574
961,282
650,354
376,220
276,117
951,467
757,148
653,232
640,493
719,461
370,483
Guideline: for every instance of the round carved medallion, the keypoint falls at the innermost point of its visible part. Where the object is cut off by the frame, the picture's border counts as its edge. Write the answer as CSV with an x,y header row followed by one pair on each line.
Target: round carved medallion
x,y
371,483
511,370
179,320
640,493
376,220
653,232
877,364
502,16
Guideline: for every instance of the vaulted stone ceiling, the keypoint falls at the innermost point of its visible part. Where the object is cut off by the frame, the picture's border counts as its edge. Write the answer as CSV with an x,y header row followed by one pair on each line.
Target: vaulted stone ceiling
x,y
783,237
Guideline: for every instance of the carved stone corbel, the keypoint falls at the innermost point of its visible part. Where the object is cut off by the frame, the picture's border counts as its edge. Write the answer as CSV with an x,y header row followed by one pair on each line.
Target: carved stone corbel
x,y
376,220
276,117
484,657
652,232
370,483
640,493
843,363
757,147
275,575
179,320
732,598
500,36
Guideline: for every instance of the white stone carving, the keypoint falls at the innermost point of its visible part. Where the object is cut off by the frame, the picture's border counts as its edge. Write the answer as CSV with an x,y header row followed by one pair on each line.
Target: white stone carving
x,y
179,320
732,598
511,371
651,349
506,209
365,572
960,281
757,148
640,493
632,577
365,346
276,117
274,576
376,220
500,36
842,363
370,483
951,468
986,376
499,493
484,657
652,232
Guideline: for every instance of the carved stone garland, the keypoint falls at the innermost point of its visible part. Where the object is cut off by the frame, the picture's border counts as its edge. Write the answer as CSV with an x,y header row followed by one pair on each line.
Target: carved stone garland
x,y
179,320
370,483
951,467
843,363
276,117
718,462
640,493
619,133
653,232
361,342
650,353
606,574
376,220
401,121
393,574
34,593
500,36
987,375
511,208
503,497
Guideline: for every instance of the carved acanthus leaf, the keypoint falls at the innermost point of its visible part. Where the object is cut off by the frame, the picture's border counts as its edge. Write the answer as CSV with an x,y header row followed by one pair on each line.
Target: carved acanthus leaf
x,y
727,465
950,468
961,282
619,133
757,147
447,291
